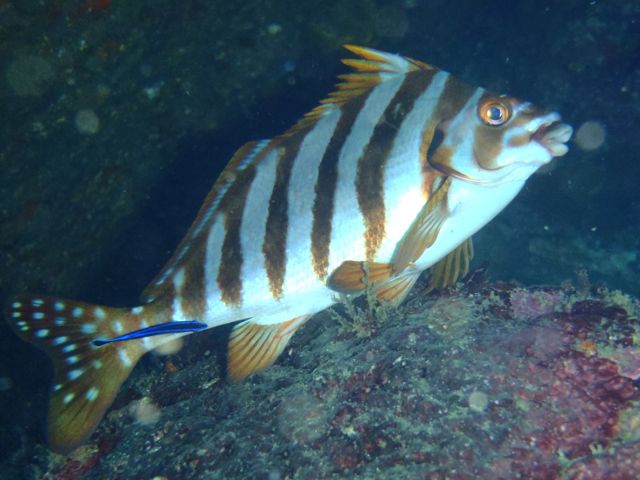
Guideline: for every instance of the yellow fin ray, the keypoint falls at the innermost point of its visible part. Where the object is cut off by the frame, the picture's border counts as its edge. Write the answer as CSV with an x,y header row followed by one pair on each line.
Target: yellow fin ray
x,y
396,289
86,377
424,230
371,68
353,276
358,80
368,66
446,272
376,60
254,347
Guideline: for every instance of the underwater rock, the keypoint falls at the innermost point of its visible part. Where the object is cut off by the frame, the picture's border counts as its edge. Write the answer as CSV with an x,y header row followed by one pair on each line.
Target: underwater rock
x,y
388,398
508,396
29,75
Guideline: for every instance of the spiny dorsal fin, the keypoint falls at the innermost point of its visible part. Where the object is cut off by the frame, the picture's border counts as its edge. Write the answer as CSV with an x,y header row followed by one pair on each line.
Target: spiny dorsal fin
x,y
379,61
243,158
373,67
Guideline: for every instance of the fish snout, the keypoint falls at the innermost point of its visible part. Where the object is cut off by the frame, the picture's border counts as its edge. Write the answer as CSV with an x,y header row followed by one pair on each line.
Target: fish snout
x,y
553,135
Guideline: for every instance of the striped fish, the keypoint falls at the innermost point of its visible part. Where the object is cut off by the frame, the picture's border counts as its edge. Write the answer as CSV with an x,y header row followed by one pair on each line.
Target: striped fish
x,y
389,176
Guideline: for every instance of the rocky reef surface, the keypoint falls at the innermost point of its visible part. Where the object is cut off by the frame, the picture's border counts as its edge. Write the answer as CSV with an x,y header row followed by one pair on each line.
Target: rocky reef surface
x,y
485,381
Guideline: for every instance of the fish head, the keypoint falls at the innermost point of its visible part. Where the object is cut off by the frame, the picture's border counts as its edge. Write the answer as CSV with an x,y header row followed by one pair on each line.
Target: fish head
x,y
497,138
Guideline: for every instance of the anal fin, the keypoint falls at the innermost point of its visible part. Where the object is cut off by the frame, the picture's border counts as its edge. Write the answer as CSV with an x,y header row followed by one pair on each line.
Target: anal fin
x,y
353,276
254,347
446,272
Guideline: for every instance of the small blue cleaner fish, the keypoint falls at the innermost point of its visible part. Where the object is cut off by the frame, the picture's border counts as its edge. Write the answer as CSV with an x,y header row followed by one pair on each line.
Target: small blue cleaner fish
x,y
388,177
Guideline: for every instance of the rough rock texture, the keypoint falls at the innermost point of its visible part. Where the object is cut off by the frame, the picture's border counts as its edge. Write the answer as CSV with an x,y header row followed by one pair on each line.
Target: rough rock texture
x,y
465,384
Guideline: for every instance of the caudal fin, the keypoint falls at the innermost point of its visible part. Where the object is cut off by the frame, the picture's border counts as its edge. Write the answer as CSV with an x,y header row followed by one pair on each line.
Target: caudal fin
x,y
86,377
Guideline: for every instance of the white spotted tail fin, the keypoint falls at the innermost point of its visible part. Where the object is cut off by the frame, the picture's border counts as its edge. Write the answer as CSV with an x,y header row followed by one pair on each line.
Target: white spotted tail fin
x,y
86,377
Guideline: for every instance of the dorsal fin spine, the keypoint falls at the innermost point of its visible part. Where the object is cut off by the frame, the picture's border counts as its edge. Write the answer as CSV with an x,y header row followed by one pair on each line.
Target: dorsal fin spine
x,y
243,158
372,68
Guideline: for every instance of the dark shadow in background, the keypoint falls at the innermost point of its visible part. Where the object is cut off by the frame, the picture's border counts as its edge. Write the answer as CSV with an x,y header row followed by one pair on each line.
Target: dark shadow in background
x,y
137,256
143,249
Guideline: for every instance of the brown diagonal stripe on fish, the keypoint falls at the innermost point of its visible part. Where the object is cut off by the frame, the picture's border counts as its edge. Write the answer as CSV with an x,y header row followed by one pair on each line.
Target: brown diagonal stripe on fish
x,y
390,175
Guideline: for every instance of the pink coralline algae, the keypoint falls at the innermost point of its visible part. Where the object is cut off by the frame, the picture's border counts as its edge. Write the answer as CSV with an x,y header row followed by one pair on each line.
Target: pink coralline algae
x,y
572,402
586,397
628,361
573,416
528,304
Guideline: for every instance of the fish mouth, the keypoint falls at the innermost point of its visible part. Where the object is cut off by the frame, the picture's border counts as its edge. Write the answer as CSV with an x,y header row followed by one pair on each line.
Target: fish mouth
x,y
553,135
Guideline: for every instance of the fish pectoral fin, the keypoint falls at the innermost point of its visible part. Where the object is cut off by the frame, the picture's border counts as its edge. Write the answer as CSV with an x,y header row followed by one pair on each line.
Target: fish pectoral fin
x,y
353,276
86,377
446,272
396,289
424,230
254,347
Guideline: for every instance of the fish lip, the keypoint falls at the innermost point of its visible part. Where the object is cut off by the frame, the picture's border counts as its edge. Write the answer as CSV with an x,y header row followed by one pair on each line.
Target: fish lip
x,y
553,135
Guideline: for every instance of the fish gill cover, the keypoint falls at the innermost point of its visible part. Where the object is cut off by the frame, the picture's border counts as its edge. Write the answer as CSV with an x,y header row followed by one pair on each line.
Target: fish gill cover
x,y
122,114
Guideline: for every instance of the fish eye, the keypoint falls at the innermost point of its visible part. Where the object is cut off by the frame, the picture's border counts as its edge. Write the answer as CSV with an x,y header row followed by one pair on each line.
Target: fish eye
x,y
494,112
